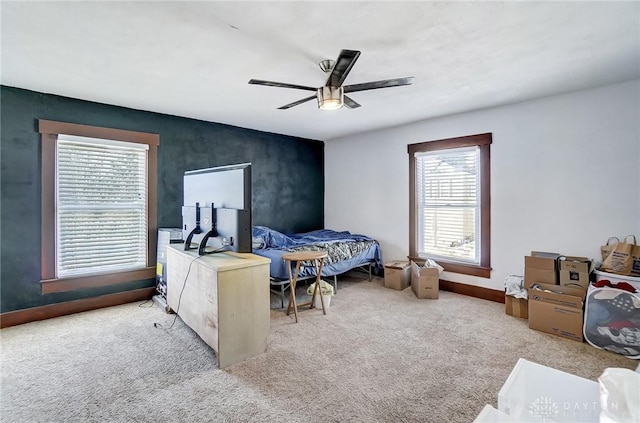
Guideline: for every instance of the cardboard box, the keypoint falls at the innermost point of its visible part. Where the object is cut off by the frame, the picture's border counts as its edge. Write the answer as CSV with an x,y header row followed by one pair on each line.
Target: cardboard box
x,y
542,261
517,307
396,275
541,267
425,281
532,276
575,264
574,279
575,271
557,310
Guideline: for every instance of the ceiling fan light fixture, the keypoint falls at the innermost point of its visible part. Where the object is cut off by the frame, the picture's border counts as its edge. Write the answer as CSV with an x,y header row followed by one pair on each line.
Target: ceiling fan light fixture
x,y
330,98
331,95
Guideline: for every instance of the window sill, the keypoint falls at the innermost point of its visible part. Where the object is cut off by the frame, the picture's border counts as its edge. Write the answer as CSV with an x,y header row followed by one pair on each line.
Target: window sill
x,y
50,286
464,269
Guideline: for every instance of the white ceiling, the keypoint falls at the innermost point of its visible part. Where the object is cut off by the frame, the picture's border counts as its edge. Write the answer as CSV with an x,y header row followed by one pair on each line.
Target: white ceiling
x,y
194,59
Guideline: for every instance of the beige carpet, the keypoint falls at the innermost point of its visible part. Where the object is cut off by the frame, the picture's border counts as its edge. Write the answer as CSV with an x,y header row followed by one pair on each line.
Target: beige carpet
x,y
378,356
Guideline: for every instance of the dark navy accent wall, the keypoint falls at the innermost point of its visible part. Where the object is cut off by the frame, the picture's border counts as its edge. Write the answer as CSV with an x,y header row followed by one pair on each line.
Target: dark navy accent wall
x,y
287,174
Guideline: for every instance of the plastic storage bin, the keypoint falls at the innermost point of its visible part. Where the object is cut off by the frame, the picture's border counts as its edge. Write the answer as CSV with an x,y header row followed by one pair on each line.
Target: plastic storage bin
x,y
614,278
536,393
490,414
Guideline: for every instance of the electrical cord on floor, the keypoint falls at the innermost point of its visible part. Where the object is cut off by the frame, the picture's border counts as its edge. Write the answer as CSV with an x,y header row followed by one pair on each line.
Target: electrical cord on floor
x,y
184,284
145,302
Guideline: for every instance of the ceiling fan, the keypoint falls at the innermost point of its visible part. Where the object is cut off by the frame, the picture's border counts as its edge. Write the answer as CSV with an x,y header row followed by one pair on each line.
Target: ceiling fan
x,y
331,95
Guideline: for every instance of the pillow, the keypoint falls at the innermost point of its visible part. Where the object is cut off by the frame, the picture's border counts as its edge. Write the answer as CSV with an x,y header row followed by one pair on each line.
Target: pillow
x,y
271,238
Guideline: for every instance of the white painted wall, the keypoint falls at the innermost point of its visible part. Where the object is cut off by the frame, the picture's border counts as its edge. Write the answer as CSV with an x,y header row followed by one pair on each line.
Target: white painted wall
x,y
565,175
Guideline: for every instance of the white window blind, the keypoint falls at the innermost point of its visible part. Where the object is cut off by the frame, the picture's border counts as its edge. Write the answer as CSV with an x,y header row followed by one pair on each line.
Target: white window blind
x,y
448,203
101,205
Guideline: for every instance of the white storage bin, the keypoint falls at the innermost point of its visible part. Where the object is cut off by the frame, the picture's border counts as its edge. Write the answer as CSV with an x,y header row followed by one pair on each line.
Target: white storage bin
x,y
536,393
490,414
614,278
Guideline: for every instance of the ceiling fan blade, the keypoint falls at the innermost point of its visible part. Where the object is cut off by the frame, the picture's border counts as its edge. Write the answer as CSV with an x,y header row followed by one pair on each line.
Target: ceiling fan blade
x,y
348,101
342,67
378,84
295,103
281,85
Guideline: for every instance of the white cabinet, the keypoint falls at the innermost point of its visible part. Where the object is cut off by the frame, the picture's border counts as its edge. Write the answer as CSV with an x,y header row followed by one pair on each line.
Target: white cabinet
x,y
224,298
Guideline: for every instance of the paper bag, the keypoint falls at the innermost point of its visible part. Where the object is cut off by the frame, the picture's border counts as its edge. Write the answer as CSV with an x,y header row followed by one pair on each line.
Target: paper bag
x,y
606,249
635,255
620,260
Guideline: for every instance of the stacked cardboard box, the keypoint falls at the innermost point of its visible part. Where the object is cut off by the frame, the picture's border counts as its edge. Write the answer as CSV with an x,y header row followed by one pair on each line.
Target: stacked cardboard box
x,y
575,271
555,308
541,267
396,275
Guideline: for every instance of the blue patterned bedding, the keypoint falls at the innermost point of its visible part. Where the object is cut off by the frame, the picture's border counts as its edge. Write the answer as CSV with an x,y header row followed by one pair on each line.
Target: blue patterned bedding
x,y
345,250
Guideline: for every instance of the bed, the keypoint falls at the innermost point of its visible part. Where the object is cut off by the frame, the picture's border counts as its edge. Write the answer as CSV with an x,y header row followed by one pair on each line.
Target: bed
x,y
346,251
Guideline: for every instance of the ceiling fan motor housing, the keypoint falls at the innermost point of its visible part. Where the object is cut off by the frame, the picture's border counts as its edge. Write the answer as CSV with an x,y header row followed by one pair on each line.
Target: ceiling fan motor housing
x,y
330,98
327,65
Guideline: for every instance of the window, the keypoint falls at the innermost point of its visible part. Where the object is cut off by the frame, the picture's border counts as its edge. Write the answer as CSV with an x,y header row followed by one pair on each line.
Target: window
x,y
101,212
98,206
450,203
